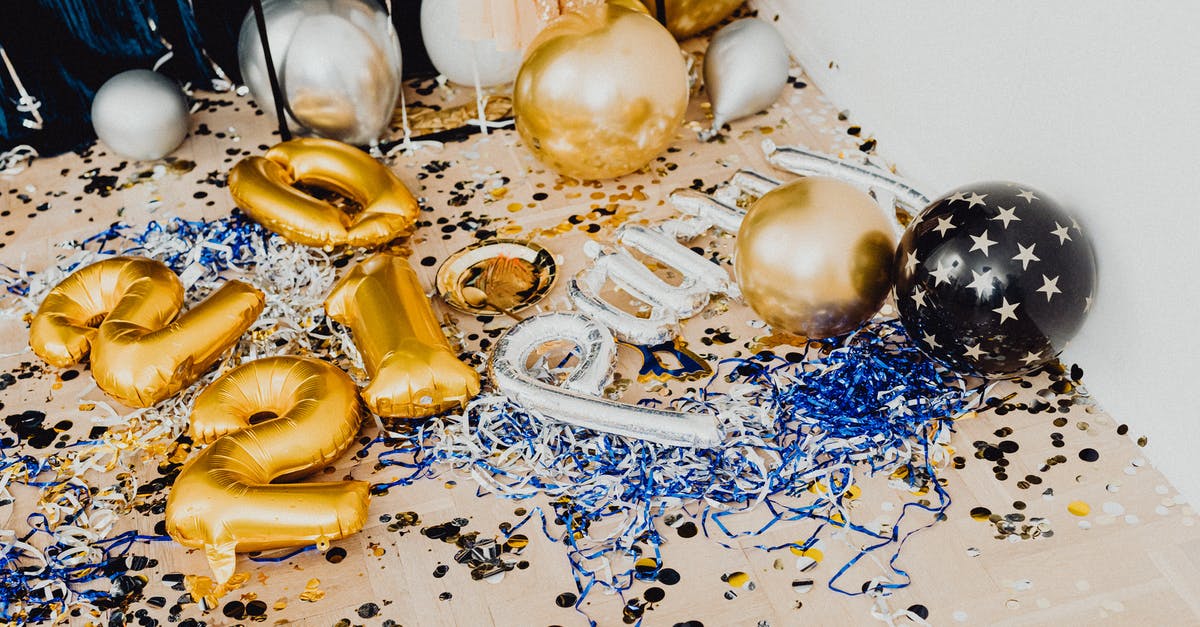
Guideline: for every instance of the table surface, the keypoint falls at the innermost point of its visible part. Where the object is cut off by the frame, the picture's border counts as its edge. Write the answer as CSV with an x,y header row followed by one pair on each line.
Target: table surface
x,y
1133,558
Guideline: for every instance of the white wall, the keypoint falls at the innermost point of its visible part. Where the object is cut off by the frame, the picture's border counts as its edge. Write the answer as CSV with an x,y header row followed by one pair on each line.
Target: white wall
x,y
1095,101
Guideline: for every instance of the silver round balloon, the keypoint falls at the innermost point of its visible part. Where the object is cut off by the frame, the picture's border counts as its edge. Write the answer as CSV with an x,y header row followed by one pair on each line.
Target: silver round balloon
x,y
338,63
745,69
140,114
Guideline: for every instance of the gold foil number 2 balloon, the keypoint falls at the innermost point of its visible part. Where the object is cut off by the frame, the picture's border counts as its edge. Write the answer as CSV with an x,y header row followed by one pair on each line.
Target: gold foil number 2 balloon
x,y
224,500
122,310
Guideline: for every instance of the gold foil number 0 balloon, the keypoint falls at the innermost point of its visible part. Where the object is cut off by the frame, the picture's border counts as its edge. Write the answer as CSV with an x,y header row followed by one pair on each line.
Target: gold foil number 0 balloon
x,y
123,312
225,499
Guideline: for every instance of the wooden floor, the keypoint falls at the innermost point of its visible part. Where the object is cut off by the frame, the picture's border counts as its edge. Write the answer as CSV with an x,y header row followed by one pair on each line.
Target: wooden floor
x,y
1133,558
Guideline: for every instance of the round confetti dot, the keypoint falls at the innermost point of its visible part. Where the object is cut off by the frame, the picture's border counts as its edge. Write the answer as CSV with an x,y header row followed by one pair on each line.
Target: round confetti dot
x,y
981,513
687,530
1089,455
737,579
919,610
566,599
335,555
234,609
654,594
1079,508
668,576
256,608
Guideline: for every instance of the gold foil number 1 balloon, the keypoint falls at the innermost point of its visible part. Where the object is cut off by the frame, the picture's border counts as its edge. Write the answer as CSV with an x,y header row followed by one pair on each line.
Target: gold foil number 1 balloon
x,y
413,370
224,499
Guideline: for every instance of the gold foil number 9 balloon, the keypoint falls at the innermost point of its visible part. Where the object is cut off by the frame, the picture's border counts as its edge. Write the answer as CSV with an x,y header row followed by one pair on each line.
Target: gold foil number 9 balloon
x,y
413,370
224,499
264,187
123,312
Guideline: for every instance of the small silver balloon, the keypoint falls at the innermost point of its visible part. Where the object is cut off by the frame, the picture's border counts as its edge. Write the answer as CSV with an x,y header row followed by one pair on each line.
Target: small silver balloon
x,y
745,69
338,63
578,400
141,114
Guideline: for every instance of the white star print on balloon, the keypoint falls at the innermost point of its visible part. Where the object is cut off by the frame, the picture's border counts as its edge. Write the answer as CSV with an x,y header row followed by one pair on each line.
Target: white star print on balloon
x,y
976,199
973,351
943,225
1028,196
941,274
1031,358
1007,215
982,284
1049,287
1007,310
1063,235
919,297
931,341
1025,256
982,243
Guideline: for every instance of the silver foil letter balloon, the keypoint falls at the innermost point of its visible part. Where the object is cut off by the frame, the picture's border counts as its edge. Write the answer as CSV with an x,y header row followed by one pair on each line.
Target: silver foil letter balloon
x,y
338,63
578,400
668,303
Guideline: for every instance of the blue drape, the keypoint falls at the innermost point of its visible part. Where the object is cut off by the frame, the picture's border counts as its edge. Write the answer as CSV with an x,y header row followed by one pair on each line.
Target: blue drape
x,y
64,50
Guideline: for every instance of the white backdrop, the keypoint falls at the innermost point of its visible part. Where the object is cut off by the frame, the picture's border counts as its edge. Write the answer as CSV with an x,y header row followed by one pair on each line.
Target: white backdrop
x,y
1096,102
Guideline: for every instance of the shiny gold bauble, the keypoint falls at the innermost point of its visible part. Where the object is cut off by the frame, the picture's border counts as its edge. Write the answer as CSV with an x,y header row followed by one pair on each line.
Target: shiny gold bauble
x,y
602,91
688,17
814,257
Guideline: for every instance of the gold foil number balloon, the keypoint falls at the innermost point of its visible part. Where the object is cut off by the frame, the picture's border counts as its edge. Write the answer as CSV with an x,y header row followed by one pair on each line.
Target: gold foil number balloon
x,y
123,312
602,91
264,187
235,495
413,370
814,257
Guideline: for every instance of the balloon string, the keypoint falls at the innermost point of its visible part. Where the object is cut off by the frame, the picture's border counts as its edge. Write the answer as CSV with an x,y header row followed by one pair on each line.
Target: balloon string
x,y
660,10
26,103
479,102
276,95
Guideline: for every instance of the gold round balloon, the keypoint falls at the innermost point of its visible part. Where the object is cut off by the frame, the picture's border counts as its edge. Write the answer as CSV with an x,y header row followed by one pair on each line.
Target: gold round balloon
x,y
814,257
602,91
688,17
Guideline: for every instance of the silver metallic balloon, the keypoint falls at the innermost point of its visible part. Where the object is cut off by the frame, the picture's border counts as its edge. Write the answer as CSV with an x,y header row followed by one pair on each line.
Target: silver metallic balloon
x,y
806,162
338,63
668,303
141,114
745,69
578,401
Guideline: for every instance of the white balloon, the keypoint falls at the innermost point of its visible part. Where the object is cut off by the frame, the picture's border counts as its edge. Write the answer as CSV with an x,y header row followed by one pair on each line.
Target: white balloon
x,y
461,60
745,69
140,114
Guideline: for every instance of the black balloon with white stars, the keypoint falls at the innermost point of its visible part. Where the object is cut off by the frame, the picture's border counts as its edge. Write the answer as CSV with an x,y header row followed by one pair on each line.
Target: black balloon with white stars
x,y
994,279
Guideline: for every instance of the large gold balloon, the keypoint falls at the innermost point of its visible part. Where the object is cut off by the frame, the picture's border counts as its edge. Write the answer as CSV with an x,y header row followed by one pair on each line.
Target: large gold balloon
x,y
264,187
688,17
120,310
814,257
602,91
234,496
413,370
